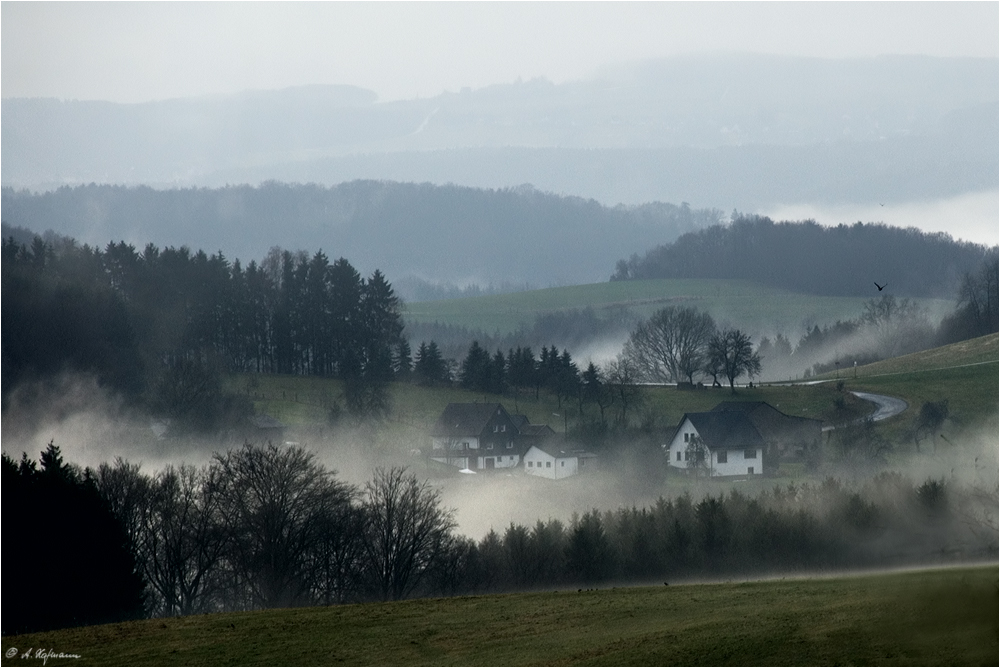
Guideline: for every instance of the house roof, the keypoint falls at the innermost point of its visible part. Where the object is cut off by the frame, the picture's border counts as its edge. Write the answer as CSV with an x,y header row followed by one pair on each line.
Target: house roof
x,y
519,420
542,430
553,450
466,419
772,424
724,430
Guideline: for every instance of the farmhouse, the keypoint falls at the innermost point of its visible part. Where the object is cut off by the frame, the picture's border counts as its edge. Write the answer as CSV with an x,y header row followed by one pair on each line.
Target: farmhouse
x,y
550,461
738,439
785,436
476,436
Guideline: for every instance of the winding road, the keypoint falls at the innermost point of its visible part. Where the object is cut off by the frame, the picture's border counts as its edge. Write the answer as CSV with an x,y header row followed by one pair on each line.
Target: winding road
x,y
885,408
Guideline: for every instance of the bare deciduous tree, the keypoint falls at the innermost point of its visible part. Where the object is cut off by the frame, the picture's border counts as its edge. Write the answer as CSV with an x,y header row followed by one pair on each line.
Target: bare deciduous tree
x,y
183,540
622,374
978,296
731,353
671,345
277,504
405,531
897,325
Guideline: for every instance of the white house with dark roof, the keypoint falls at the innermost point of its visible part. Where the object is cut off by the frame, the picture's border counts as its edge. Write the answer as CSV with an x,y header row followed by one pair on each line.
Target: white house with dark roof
x,y
740,438
721,443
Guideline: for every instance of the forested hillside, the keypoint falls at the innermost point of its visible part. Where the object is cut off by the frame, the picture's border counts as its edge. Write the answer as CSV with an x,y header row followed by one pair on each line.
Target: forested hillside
x,y
160,326
806,257
439,233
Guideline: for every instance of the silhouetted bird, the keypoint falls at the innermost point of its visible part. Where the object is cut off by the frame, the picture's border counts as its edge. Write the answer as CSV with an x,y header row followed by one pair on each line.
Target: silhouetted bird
x,y
880,286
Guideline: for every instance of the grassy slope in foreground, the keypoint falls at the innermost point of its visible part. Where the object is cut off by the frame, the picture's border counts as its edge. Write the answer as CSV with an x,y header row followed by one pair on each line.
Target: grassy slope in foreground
x,y
936,617
743,304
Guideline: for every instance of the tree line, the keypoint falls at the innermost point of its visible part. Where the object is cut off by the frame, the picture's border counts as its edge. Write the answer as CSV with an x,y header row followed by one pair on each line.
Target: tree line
x,y
154,323
680,344
808,257
263,527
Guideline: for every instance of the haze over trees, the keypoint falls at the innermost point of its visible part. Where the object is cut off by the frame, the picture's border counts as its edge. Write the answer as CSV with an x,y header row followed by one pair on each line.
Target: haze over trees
x,y
160,326
263,527
808,257
441,234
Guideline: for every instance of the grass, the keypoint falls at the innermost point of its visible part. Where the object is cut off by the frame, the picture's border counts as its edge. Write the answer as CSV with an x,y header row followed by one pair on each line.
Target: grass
x,y
965,374
933,617
748,305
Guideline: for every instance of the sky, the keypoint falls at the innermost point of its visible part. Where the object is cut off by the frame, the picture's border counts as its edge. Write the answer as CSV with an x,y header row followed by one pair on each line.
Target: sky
x,y
135,52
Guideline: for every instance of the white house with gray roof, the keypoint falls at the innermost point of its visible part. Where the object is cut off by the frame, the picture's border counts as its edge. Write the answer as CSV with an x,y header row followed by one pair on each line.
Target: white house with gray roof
x,y
722,443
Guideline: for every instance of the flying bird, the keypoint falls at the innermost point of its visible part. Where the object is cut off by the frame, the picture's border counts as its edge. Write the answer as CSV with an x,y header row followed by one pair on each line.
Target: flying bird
x,y
880,286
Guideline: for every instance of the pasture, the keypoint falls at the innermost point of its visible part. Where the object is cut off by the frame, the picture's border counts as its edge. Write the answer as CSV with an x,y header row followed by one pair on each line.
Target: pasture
x,y
750,306
929,617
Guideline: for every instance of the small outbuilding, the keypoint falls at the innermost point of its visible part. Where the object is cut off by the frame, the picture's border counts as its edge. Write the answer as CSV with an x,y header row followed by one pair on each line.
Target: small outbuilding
x,y
548,460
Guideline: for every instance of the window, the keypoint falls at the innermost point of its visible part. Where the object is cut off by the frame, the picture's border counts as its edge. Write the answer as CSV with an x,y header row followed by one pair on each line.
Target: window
x,y
687,437
749,470
678,455
503,428
750,454
562,463
530,464
723,457
548,465
489,446
510,444
686,455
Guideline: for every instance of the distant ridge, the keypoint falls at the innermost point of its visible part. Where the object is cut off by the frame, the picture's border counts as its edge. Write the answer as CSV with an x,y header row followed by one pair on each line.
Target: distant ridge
x,y
808,257
728,130
437,233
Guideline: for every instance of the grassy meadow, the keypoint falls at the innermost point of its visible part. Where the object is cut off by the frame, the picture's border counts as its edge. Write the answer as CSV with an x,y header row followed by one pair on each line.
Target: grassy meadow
x,y
932,617
965,374
744,304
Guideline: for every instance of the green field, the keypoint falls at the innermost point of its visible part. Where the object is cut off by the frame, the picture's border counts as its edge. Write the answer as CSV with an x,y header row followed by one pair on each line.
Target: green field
x,y
965,374
933,617
744,304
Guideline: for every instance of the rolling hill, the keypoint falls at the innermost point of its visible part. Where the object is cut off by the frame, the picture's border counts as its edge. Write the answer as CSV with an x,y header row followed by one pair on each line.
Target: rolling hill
x,y
759,309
